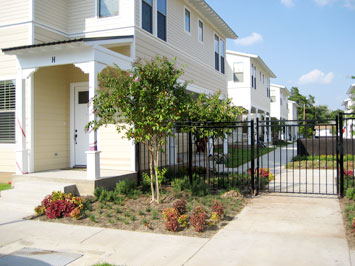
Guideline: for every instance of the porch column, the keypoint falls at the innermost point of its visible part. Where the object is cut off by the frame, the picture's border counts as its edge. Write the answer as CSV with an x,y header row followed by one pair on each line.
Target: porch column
x,y
21,151
93,155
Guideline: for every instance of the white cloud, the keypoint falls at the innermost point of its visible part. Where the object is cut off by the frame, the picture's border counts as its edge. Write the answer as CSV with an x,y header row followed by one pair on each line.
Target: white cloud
x,y
288,3
250,40
322,2
350,4
316,76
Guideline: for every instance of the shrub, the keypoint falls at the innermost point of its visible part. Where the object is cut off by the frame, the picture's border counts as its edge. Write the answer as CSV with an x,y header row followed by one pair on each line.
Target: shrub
x,y
171,219
59,204
217,207
183,220
215,218
178,185
180,206
126,187
350,193
198,219
168,211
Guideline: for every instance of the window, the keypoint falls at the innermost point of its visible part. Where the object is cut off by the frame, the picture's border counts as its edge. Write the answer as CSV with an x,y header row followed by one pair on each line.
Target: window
x,y
260,76
281,101
108,8
238,72
187,20
222,57
147,15
216,52
268,88
200,31
253,76
273,99
161,17
7,111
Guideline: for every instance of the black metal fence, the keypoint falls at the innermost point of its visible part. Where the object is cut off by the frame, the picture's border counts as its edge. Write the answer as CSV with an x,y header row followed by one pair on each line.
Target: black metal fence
x,y
273,155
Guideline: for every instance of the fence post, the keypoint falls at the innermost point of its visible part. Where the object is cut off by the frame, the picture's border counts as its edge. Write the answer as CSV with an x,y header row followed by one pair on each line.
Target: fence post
x,y
252,155
341,155
257,156
138,163
190,156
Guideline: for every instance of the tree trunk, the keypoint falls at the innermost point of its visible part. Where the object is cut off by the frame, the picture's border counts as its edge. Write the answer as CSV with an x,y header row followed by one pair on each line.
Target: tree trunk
x,y
151,171
156,174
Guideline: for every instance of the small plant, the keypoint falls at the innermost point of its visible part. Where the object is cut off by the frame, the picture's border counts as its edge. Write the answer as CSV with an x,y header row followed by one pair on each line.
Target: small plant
x,y
180,206
350,193
141,213
198,219
155,215
132,217
108,215
93,218
148,209
171,219
126,187
177,185
111,221
118,218
215,218
118,210
183,221
217,207
126,214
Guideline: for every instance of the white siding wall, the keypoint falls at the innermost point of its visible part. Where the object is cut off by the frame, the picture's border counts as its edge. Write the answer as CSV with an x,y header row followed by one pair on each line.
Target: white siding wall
x,y
52,13
259,97
14,11
275,106
42,35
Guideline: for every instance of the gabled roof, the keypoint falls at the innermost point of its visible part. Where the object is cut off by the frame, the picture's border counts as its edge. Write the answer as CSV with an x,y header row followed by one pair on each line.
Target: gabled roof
x,y
213,17
283,88
257,58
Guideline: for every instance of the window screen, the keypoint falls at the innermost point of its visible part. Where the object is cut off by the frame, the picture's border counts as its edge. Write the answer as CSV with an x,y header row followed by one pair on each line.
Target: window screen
x,y
108,8
7,111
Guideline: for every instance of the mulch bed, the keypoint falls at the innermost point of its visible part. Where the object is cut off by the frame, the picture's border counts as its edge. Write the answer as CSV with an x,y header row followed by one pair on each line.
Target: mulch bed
x,y
138,214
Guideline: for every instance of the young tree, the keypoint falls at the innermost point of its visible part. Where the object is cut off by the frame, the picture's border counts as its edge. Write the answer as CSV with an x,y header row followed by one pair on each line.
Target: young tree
x,y
143,104
207,113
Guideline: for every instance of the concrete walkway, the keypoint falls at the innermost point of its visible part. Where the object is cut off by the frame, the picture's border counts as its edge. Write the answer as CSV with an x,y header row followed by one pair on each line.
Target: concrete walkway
x,y
272,230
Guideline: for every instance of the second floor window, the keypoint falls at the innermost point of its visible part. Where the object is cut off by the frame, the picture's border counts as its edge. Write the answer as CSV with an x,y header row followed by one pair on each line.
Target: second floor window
x,y
161,17
7,111
253,76
222,57
108,8
216,52
187,20
238,72
200,31
147,15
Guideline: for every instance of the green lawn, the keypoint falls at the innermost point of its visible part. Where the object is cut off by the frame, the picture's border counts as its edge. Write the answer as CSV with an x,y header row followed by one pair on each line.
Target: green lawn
x,y
239,157
4,186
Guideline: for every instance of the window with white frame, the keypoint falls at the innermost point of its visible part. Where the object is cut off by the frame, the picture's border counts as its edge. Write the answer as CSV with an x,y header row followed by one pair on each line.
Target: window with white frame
x,y
187,20
253,76
238,72
268,88
222,57
161,19
200,31
147,15
7,111
216,52
108,8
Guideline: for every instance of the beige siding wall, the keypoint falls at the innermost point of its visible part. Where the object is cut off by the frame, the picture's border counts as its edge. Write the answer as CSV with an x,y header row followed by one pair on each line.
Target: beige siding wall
x,y
14,11
204,76
7,159
42,35
52,115
52,13
115,150
10,37
78,12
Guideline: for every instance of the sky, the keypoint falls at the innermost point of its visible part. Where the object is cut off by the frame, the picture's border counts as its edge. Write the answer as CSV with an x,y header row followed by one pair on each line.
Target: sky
x,y
309,44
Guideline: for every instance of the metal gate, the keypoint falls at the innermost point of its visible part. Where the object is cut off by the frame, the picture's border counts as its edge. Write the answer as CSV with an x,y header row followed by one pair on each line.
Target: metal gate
x,y
282,156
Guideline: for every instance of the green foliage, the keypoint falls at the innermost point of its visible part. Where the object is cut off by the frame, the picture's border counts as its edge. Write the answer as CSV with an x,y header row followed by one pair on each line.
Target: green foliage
x,y
350,193
143,104
178,184
93,218
5,186
126,187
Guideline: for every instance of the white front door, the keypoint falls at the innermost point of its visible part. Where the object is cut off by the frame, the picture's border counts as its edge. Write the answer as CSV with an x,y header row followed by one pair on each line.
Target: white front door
x,y
81,119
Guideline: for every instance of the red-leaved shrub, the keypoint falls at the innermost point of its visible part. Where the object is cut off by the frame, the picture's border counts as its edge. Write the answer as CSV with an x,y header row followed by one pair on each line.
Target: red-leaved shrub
x,y
171,219
198,219
180,206
217,207
59,209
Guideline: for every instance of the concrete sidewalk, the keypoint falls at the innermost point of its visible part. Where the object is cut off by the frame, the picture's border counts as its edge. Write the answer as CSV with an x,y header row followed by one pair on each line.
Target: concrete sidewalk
x,y
271,230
